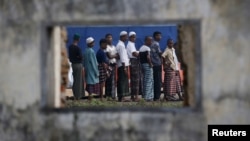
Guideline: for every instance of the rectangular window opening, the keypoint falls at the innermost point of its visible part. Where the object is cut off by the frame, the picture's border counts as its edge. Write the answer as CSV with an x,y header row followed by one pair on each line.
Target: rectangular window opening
x,y
57,94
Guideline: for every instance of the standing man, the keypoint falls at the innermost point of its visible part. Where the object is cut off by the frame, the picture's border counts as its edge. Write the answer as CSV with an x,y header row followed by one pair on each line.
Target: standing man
x,y
134,67
75,57
157,64
110,85
123,62
171,83
102,65
147,65
91,69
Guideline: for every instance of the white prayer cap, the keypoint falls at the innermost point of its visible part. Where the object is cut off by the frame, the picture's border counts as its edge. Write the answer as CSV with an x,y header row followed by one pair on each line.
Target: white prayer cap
x,y
123,33
131,33
89,40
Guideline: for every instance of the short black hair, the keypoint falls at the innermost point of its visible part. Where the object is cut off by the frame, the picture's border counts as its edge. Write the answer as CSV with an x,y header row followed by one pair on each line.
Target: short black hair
x,y
146,37
156,33
108,34
102,41
170,39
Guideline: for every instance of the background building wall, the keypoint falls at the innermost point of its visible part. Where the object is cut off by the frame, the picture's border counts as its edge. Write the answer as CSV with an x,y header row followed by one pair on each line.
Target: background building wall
x,y
225,70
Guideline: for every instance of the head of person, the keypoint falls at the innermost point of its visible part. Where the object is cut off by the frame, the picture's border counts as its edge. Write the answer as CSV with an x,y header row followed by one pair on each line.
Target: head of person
x,y
157,36
109,38
123,36
103,43
170,43
148,41
76,38
90,41
132,36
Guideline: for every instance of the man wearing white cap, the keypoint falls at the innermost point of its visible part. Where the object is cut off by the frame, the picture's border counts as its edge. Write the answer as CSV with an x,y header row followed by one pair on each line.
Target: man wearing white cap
x,y
91,69
123,62
134,68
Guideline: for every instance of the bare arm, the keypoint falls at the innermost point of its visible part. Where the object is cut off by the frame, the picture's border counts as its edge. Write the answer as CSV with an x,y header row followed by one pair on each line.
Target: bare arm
x,y
149,59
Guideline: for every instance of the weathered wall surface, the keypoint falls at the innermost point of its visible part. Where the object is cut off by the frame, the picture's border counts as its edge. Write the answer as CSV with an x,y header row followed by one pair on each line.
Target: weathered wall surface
x,y
225,70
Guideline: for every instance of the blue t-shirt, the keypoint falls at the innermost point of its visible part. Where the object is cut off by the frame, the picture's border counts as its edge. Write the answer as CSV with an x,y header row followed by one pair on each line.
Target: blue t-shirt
x,y
101,57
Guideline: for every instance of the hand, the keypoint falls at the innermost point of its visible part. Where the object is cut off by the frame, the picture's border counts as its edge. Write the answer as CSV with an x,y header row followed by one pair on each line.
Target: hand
x,y
126,71
105,66
117,56
151,65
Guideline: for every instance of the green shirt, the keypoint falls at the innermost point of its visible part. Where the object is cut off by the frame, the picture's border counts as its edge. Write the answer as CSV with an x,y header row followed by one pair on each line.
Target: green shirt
x,y
91,66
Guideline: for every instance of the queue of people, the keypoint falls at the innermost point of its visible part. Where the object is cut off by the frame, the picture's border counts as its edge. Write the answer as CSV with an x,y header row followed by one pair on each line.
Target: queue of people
x,y
143,67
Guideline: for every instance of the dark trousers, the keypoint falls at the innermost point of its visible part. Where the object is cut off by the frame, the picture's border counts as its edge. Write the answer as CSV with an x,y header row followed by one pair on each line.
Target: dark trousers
x,y
157,73
77,87
122,84
110,85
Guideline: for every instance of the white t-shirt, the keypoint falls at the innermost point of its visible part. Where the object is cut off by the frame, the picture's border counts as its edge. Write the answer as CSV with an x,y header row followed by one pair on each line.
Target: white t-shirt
x,y
112,50
144,48
130,49
121,50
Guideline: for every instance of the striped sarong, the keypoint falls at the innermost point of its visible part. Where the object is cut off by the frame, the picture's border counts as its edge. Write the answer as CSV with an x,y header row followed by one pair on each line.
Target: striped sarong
x,y
134,76
93,89
148,82
122,84
172,84
102,73
110,84
178,79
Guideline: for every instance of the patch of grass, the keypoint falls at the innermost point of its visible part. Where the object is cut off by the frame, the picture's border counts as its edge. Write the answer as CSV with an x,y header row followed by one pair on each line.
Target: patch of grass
x,y
111,103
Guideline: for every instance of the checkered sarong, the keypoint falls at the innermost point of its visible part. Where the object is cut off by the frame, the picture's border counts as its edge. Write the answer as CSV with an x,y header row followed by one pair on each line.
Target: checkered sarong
x,y
134,75
178,79
93,88
172,83
102,74
122,83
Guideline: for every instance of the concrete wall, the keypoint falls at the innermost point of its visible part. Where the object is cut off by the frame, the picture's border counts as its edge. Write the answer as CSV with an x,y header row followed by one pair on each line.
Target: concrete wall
x,y
225,70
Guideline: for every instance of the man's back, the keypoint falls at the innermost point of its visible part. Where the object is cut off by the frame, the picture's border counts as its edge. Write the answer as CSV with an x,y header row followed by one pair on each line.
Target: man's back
x,y
75,54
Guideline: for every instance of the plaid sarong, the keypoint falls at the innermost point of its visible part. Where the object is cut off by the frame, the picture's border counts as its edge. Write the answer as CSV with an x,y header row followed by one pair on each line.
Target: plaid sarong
x,y
134,76
178,79
122,84
93,89
102,73
172,84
